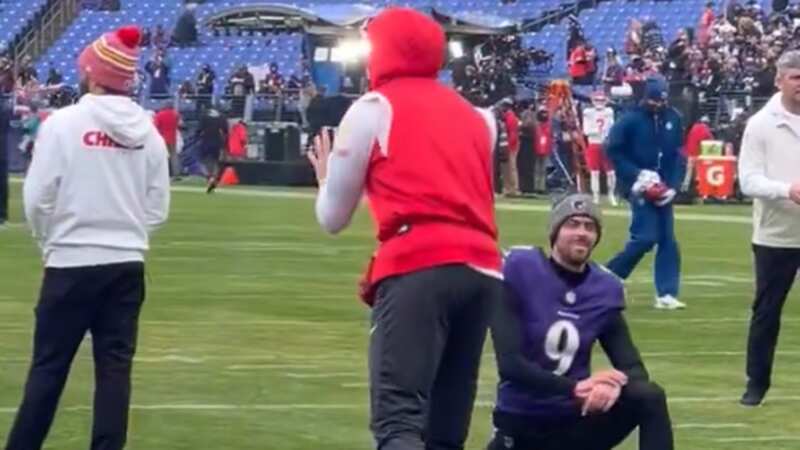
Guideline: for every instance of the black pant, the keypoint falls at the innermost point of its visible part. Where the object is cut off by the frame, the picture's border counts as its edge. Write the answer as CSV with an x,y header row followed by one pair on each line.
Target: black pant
x,y
641,404
776,269
428,331
106,301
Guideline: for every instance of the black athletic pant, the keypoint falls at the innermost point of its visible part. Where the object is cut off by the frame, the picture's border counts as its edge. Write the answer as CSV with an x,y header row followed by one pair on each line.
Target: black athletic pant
x,y
427,336
776,269
641,404
104,300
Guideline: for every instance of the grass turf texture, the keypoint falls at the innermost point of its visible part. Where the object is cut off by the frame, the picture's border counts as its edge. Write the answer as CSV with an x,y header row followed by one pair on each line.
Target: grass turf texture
x,y
251,336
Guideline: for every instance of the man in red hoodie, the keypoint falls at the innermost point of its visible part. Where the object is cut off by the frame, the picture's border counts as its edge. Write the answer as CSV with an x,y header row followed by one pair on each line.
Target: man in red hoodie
x,y
423,156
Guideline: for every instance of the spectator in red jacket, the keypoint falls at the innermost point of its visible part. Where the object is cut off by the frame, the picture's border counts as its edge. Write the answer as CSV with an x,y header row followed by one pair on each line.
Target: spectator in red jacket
x,y
237,141
578,64
511,177
166,121
699,132
704,28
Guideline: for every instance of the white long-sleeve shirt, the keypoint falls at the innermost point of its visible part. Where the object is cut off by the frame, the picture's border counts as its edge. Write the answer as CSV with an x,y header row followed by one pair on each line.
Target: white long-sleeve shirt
x,y
769,161
98,183
367,122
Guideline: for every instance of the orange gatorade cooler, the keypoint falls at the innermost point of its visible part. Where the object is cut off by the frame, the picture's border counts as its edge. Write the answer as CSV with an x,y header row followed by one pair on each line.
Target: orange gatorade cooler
x,y
715,176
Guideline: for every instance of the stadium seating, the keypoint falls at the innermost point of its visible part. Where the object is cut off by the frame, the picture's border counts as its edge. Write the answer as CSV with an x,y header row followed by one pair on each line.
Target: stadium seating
x,y
605,26
63,53
516,10
227,53
14,16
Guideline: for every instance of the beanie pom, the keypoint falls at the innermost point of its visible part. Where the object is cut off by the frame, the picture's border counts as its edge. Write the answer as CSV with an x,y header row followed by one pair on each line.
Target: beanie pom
x,y
130,36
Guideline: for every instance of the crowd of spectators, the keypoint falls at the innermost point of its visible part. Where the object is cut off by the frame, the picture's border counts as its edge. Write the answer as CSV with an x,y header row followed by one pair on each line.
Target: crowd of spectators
x,y
731,50
491,72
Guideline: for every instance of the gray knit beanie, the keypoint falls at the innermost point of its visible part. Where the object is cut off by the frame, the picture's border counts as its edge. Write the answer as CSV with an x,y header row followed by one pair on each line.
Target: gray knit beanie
x,y
574,205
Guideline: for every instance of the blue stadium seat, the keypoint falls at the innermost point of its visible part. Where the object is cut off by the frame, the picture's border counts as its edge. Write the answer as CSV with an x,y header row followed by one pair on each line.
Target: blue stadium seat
x,y
605,25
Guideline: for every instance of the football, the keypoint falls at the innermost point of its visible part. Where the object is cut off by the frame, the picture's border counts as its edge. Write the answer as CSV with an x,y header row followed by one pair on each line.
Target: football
x,y
656,191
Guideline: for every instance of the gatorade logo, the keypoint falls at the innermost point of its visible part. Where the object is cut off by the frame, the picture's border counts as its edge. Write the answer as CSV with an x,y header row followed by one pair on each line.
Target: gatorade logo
x,y
715,176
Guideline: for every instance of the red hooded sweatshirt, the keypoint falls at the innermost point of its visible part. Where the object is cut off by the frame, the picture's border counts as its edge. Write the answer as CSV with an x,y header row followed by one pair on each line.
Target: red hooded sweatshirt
x,y
166,122
430,191
237,141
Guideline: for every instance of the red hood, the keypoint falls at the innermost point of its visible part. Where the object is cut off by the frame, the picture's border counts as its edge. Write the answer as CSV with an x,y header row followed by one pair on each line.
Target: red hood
x,y
404,43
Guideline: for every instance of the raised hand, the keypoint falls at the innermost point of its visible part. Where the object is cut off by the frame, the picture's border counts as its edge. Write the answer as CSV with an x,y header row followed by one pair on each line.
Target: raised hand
x,y
318,156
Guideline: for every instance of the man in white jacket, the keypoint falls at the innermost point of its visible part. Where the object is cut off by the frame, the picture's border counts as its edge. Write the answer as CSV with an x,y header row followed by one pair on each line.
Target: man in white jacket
x,y
769,171
97,186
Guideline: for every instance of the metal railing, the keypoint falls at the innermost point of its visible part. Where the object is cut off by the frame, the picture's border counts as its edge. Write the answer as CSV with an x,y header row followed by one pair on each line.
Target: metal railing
x,y
45,29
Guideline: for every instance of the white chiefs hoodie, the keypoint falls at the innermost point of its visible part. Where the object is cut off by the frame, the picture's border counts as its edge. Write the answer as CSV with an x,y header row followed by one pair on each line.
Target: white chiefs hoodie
x,y
98,183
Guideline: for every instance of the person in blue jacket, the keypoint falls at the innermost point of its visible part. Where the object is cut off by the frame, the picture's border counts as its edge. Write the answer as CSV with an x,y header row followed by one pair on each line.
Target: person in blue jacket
x,y
645,148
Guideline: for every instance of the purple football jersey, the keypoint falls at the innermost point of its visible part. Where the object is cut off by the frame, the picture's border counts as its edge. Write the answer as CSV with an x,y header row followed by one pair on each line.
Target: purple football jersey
x,y
561,325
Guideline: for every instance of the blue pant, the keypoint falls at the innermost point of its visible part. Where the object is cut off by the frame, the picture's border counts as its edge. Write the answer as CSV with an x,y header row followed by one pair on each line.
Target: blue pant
x,y
651,226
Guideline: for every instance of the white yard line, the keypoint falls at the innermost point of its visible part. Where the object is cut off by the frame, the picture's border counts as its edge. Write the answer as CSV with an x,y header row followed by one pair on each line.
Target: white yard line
x,y
732,399
710,426
271,366
285,361
503,206
169,358
758,439
670,318
357,385
305,376
675,316
500,205
239,323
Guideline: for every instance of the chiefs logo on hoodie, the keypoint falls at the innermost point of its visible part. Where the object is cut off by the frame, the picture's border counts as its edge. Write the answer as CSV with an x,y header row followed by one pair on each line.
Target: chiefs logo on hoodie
x,y
430,190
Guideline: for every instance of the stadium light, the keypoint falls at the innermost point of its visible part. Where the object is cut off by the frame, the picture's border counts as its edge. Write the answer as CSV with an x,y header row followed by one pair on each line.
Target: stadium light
x,y
456,49
351,50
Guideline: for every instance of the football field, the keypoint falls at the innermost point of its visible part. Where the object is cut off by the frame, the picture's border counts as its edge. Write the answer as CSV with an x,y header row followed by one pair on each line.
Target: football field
x,y
251,336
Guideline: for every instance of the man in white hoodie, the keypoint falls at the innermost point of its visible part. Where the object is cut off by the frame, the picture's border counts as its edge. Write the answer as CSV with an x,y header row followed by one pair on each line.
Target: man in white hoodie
x,y
769,171
97,186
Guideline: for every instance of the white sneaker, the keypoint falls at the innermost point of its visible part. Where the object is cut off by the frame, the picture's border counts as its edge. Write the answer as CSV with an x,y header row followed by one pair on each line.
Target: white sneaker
x,y
669,302
596,199
613,200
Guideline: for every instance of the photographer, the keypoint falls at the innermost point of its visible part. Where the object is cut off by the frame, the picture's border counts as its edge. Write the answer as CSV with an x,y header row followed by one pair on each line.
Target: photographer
x,y
635,75
575,34
579,65
492,71
27,72
614,73
677,63
652,37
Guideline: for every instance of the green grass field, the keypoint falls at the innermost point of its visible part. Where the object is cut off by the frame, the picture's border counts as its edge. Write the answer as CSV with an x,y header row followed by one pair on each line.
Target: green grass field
x,y
252,337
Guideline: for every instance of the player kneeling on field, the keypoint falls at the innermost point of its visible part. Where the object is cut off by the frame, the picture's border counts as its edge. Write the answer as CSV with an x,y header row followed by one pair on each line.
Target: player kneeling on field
x,y
555,309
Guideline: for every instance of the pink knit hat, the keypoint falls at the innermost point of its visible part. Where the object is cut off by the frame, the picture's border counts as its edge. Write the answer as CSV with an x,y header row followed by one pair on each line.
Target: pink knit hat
x,y
111,60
